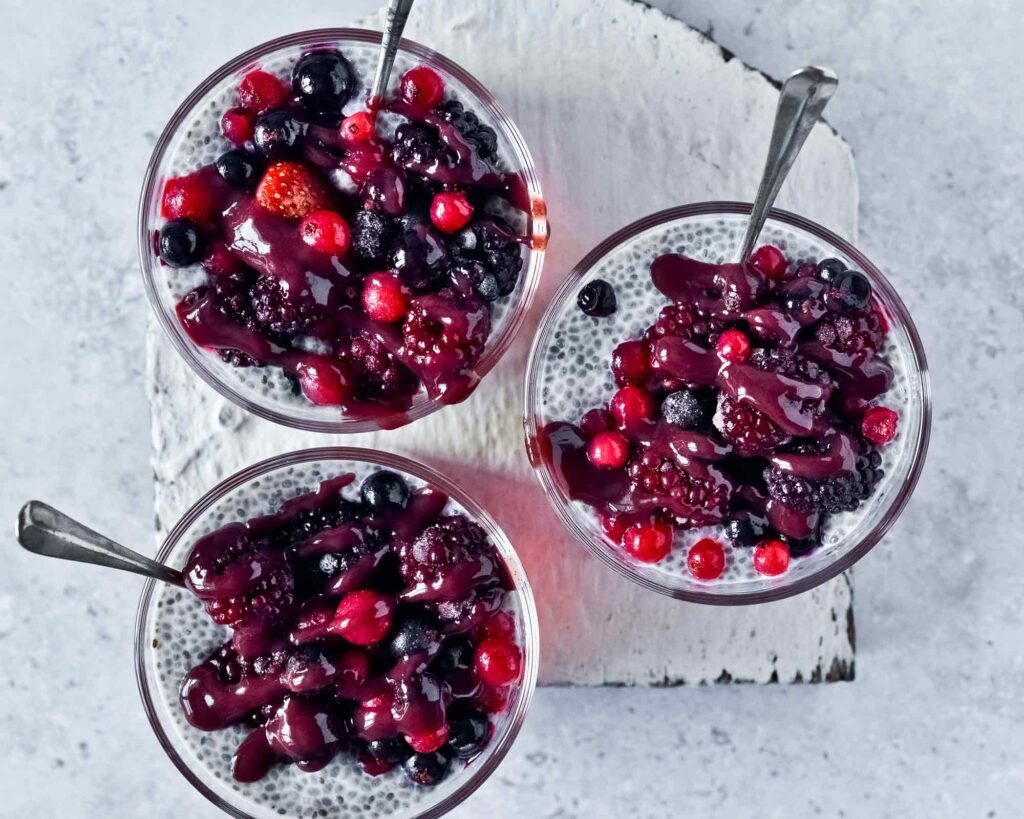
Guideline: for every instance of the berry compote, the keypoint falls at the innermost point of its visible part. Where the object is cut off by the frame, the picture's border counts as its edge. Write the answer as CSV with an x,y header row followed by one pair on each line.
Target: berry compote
x,y
364,251
369,619
749,414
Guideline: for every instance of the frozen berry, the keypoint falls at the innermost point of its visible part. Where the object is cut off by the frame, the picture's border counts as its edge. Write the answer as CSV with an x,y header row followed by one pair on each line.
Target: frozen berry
x,y
240,169
277,134
746,529
829,269
322,381
649,542
422,87
450,211
372,232
771,261
384,490
427,769
849,291
384,298
608,450
363,617
236,125
733,345
415,634
878,425
687,409
771,557
498,661
358,127
597,299
631,362
706,559
428,742
631,406
326,231
468,732
259,91
323,81
188,197
181,243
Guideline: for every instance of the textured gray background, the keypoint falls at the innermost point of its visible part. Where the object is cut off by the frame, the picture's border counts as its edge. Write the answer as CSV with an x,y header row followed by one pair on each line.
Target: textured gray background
x,y
931,726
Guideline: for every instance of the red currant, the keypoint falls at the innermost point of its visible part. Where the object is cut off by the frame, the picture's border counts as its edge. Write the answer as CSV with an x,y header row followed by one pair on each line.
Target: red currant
x,y
450,211
733,345
706,559
771,261
384,298
608,450
771,557
649,542
497,661
878,425
422,87
326,231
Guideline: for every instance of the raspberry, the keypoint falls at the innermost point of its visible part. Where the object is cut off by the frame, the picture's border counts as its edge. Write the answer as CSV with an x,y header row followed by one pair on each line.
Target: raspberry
x,y
236,125
384,298
608,450
747,428
450,211
771,557
259,92
631,406
188,197
443,344
323,381
648,543
281,312
363,617
453,539
663,481
631,362
842,493
706,559
498,661
879,424
480,136
326,231
421,87
292,190
683,322
358,127
733,345
771,261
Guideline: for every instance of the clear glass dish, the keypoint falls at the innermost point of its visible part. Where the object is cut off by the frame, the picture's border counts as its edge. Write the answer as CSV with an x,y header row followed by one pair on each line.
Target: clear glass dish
x,y
189,141
568,372
173,632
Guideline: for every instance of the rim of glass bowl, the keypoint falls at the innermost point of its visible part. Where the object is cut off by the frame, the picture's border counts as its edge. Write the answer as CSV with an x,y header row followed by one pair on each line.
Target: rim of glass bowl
x,y
537,230
485,764
559,499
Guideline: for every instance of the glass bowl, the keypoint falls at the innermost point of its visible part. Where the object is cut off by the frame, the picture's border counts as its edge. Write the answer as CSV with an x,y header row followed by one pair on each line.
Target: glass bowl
x,y
192,139
568,373
173,632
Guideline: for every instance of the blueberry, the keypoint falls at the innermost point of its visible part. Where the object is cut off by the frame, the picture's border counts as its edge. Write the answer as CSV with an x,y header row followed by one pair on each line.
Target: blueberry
x,y
799,548
484,283
747,529
384,490
277,134
334,563
686,409
418,257
415,144
372,232
597,298
828,269
850,291
240,169
323,81
495,247
427,769
456,656
467,732
415,634
181,243
390,751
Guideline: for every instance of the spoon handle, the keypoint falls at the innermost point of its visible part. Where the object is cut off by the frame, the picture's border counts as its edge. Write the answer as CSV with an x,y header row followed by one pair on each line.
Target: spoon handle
x,y
45,531
803,97
398,13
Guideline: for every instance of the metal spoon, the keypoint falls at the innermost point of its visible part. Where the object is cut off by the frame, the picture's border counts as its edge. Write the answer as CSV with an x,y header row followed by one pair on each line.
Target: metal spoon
x,y
398,13
803,97
45,531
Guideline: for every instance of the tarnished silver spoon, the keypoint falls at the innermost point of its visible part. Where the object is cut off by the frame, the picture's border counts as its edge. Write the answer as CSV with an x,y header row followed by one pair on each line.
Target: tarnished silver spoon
x,y
45,531
802,98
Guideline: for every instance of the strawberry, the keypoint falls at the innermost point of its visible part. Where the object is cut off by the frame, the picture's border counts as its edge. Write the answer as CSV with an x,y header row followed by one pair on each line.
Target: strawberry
x,y
292,190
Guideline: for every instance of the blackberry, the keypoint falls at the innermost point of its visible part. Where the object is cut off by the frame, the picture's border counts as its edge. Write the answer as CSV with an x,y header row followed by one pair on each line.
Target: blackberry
x,y
453,539
663,481
482,281
851,334
279,312
687,409
842,493
380,376
231,296
416,144
482,137
372,233
494,246
597,299
786,362
682,321
419,257
747,428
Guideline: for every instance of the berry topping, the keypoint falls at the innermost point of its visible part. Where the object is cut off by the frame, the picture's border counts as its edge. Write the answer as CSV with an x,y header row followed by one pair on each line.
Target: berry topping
x,y
879,424
384,490
849,291
240,169
372,233
706,559
326,231
450,211
608,450
181,243
771,261
733,346
428,742
291,190
363,617
188,197
358,127
649,542
323,81
468,732
497,661
277,134
384,298
427,769
260,91
687,409
631,406
422,87
771,557
236,125
631,362
597,299
749,429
